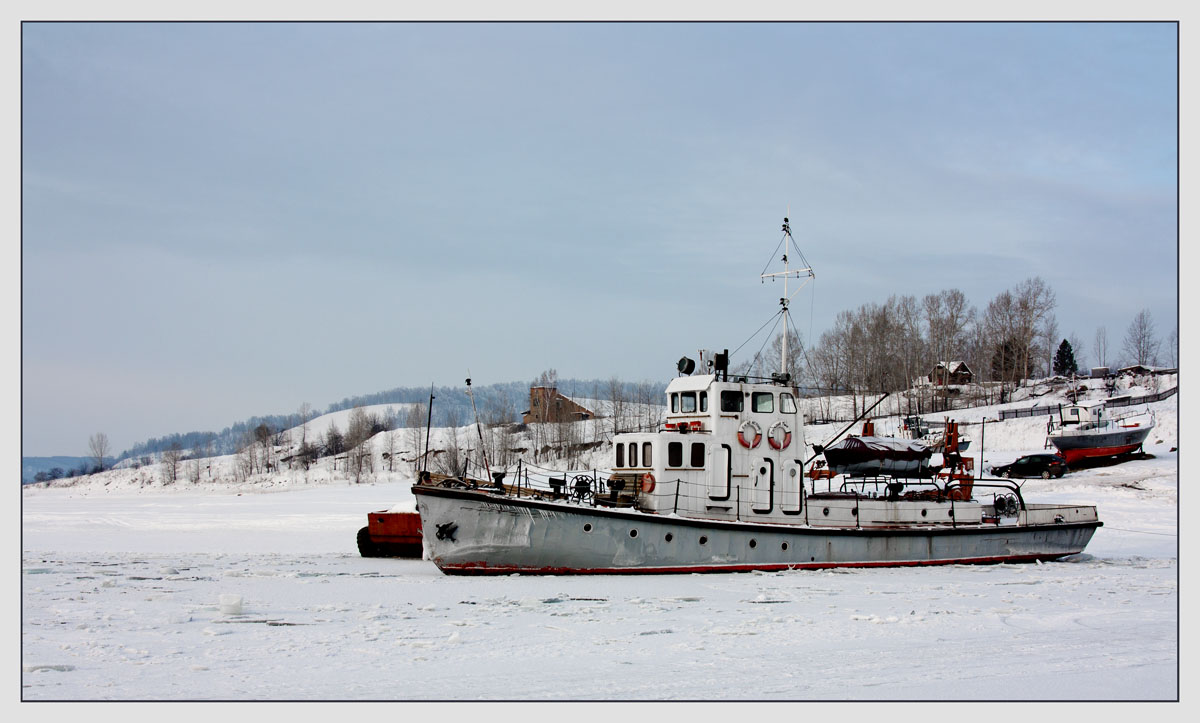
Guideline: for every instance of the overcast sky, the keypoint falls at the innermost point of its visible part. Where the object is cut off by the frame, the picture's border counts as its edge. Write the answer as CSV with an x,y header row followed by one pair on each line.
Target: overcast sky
x,y
223,220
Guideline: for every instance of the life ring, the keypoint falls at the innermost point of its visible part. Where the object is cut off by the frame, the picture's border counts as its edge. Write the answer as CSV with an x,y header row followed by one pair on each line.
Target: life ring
x,y
749,424
787,435
647,483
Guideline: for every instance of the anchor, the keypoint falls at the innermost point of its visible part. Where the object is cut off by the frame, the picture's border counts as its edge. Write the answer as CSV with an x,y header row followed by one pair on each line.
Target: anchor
x,y
446,531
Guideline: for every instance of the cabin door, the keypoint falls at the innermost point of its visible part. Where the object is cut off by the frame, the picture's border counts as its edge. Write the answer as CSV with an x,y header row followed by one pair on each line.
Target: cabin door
x,y
762,491
720,477
791,486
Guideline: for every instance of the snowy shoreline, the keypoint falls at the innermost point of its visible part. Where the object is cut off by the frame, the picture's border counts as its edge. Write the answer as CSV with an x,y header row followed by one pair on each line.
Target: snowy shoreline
x,y
122,588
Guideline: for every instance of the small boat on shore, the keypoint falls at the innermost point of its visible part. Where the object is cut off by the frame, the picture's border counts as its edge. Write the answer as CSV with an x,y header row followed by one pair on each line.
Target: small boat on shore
x,y
873,456
723,486
1086,430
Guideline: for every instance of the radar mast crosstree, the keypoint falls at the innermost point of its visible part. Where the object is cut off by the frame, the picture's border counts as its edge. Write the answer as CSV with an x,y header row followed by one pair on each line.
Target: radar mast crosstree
x,y
805,273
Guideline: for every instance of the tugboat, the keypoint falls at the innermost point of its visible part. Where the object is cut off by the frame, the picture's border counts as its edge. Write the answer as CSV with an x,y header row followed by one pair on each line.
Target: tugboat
x,y
1084,431
723,486
391,533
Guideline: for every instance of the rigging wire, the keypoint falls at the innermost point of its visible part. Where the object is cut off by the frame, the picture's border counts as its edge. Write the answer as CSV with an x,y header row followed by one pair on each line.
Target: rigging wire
x,y
773,254
744,343
758,355
1142,532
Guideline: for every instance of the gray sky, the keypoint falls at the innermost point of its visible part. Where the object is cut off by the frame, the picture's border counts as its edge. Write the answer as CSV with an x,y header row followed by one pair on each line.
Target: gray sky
x,y
222,220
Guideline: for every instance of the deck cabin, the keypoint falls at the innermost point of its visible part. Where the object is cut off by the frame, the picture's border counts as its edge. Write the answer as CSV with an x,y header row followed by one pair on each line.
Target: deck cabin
x,y
724,443
734,450
1083,416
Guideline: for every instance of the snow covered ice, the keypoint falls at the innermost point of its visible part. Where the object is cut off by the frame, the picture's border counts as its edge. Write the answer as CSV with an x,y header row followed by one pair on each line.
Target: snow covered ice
x,y
198,593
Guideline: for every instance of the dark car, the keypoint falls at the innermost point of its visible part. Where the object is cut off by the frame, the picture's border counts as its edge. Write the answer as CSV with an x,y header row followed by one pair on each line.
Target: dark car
x,y
1033,465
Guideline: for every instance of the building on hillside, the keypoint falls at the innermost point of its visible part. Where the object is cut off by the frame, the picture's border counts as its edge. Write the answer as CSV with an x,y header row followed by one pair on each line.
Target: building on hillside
x,y
1138,370
547,405
952,372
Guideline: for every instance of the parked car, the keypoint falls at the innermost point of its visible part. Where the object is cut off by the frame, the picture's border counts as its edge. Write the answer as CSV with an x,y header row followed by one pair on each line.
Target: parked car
x,y
1033,465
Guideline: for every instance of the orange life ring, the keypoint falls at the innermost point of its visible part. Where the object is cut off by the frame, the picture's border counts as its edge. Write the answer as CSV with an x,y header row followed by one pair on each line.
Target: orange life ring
x,y
749,424
787,435
647,483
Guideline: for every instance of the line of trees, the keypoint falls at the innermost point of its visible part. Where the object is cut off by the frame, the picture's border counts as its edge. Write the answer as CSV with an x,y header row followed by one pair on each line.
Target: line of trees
x,y
887,347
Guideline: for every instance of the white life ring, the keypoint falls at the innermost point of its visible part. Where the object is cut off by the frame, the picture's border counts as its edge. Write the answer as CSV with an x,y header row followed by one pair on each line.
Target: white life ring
x,y
787,435
749,443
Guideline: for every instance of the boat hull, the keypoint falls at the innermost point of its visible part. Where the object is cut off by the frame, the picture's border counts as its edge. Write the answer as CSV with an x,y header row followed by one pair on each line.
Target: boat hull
x,y
476,533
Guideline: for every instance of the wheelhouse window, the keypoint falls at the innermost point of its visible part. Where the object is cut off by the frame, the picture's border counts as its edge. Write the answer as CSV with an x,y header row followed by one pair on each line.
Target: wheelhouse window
x,y
633,454
703,401
620,454
697,459
675,454
764,402
787,404
647,458
675,402
687,402
731,401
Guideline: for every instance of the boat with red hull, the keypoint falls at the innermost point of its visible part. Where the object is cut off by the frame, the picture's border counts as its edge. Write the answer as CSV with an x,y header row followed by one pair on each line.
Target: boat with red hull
x,y
391,533
1086,431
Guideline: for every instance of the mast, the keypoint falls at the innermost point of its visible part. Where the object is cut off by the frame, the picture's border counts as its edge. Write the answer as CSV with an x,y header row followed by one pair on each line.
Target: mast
x,y
806,272
478,429
428,425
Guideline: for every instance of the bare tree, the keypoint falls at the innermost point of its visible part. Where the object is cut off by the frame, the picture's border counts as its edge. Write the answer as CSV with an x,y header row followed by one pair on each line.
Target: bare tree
x,y
171,459
98,446
1140,343
305,414
1047,337
1172,350
615,391
263,436
245,460
1101,346
1077,346
414,436
453,458
795,366
1035,302
358,447
1001,323
389,447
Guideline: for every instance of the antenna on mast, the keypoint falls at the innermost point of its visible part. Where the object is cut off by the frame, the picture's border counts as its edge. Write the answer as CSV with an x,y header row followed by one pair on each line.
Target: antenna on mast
x,y
804,272
478,429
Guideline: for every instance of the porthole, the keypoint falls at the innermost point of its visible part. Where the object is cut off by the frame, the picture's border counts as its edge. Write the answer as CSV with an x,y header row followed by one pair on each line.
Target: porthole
x,y
703,540
825,511
633,533
753,544
950,512
783,546
762,471
924,512
587,527
854,512
669,537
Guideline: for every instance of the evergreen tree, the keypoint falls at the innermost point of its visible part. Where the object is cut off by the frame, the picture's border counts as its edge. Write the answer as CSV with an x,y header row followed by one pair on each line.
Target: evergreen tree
x,y
1064,359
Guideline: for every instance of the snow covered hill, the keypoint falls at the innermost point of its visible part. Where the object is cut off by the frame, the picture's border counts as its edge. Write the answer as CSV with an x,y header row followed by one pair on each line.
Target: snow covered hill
x,y
393,454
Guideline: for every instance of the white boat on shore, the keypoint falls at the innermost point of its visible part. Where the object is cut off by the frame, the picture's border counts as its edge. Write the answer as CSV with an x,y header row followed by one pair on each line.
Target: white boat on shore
x,y
1084,431
722,487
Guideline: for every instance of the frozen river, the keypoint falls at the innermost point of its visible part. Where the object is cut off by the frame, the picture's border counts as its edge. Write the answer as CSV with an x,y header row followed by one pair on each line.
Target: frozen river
x,y
121,601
